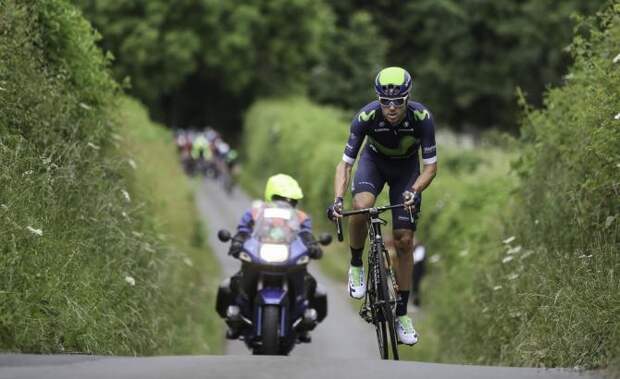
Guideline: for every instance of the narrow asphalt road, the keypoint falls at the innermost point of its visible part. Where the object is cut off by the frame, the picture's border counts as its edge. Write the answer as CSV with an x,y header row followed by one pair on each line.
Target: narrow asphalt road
x,y
343,346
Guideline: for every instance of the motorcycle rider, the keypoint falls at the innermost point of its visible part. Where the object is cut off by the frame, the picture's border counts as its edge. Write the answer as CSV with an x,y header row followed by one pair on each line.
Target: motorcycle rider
x,y
281,191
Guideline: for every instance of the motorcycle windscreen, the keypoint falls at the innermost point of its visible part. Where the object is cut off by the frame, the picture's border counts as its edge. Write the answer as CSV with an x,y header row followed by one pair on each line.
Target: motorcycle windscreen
x,y
277,225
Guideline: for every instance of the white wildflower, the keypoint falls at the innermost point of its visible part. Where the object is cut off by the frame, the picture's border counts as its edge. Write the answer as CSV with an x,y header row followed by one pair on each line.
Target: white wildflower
x,y
126,195
29,172
131,281
32,230
497,288
132,163
526,254
85,106
124,214
536,222
93,146
583,256
514,250
507,259
188,262
617,117
609,221
513,276
509,240
434,258
616,59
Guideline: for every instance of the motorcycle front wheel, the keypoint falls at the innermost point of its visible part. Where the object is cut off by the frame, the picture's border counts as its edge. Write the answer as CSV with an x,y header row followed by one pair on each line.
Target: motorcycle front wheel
x,y
269,331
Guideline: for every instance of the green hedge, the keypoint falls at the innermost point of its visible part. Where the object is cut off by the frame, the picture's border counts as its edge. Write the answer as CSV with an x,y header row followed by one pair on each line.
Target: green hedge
x,y
81,265
552,296
190,274
299,138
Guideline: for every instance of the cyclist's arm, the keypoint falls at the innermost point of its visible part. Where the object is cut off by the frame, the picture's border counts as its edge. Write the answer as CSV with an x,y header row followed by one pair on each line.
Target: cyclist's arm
x,y
352,148
341,179
426,177
429,155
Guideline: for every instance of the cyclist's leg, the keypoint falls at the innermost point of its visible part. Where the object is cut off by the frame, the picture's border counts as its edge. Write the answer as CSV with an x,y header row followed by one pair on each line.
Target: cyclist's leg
x,y
403,228
366,186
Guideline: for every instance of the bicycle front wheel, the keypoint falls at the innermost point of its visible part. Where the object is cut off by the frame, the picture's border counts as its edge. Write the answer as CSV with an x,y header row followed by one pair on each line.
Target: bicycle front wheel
x,y
385,301
378,319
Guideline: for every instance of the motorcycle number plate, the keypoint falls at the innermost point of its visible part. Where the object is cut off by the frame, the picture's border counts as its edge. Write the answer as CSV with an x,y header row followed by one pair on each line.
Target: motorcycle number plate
x,y
277,213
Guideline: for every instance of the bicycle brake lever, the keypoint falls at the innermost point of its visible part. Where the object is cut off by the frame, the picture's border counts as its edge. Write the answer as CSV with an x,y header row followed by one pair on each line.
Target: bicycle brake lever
x,y
339,229
410,214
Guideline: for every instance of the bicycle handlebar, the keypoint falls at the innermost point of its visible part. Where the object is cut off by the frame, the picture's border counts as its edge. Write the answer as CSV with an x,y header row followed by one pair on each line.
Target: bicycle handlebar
x,y
375,210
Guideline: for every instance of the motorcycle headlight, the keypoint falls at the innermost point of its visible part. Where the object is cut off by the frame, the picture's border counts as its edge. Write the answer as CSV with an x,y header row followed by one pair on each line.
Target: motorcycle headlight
x,y
273,252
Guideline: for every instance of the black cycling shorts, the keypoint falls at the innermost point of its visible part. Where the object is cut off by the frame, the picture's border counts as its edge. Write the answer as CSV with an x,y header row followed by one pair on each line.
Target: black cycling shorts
x,y
399,174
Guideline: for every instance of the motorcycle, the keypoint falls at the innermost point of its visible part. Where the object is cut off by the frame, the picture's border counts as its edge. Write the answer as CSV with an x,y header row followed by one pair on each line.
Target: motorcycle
x,y
272,303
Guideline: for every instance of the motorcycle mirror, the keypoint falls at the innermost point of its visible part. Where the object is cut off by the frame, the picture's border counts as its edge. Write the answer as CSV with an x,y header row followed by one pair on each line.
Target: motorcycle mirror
x,y
223,235
325,239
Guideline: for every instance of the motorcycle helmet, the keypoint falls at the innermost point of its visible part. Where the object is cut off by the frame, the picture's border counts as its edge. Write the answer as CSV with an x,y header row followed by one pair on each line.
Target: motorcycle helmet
x,y
283,186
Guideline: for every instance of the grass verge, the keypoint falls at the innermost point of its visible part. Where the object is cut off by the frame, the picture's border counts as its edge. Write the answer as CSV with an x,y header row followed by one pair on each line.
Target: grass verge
x,y
192,275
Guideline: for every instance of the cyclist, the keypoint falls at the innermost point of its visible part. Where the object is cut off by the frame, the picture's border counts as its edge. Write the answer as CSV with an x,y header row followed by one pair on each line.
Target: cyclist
x,y
396,128
281,191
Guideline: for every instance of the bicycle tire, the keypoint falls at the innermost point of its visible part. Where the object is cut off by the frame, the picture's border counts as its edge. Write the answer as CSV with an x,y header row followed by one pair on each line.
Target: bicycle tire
x,y
388,314
377,318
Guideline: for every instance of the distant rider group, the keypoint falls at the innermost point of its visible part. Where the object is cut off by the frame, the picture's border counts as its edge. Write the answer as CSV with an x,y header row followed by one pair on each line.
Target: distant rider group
x,y
206,153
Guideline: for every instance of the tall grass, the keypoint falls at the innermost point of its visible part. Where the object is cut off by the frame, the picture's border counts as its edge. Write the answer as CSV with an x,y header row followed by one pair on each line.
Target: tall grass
x,y
191,272
82,267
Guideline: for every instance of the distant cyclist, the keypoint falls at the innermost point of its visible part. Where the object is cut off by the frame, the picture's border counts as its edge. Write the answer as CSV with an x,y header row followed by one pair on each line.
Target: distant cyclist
x,y
396,129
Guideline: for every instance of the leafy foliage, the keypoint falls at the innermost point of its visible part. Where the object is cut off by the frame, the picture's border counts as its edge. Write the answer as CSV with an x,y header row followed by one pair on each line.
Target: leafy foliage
x,y
231,48
555,298
82,268
468,57
350,61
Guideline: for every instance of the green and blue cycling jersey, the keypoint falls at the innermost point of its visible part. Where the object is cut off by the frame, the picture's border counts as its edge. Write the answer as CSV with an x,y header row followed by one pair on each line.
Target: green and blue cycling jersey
x,y
387,141
391,154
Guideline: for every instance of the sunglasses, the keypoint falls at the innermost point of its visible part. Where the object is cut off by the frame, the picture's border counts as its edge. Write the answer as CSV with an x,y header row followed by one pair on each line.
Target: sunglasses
x,y
395,101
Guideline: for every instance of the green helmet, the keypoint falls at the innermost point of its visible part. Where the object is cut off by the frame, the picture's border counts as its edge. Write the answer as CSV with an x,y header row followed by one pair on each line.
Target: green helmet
x,y
284,186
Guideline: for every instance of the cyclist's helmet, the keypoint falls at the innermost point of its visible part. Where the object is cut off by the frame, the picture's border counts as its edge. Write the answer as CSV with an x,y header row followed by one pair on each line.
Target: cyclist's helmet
x,y
393,82
283,187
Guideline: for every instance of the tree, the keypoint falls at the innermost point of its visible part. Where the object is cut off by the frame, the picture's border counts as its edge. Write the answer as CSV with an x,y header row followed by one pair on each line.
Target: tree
x,y
351,59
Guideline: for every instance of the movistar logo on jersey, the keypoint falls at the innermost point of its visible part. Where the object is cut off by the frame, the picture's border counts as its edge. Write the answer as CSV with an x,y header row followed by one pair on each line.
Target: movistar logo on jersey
x,y
421,115
363,116
404,147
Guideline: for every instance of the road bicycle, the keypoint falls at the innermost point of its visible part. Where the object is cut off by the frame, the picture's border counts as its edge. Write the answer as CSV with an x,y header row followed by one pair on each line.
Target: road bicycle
x,y
379,305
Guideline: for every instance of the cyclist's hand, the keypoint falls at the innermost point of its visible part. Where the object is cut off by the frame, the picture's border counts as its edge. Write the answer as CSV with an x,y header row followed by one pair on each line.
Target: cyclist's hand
x,y
411,200
334,211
